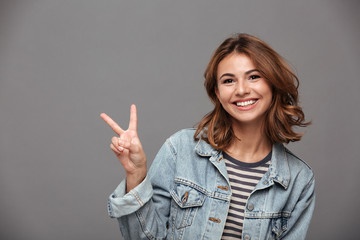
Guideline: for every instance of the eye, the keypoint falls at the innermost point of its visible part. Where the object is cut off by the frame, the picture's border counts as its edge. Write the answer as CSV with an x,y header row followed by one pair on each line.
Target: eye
x,y
253,77
228,81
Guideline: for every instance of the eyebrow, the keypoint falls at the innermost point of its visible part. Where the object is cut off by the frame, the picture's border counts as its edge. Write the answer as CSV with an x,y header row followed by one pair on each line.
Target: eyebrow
x,y
227,75
251,71
233,75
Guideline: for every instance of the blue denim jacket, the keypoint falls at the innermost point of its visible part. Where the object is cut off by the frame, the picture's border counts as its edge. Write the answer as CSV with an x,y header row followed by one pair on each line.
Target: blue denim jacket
x,y
186,195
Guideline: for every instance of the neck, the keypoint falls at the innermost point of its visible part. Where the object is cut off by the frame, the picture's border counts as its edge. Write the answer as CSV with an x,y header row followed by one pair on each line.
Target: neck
x,y
250,143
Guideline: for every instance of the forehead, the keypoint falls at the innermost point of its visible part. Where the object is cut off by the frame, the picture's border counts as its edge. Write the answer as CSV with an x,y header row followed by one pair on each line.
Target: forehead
x,y
235,63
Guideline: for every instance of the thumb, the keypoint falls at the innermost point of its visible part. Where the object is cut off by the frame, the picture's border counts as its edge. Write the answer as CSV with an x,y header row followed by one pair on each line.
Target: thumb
x,y
135,146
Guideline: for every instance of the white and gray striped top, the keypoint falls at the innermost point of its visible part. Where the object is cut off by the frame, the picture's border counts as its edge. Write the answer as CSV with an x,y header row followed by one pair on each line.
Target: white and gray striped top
x,y
243,178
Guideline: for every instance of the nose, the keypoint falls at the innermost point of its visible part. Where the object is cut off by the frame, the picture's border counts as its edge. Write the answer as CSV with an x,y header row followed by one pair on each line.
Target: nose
x,y
242,88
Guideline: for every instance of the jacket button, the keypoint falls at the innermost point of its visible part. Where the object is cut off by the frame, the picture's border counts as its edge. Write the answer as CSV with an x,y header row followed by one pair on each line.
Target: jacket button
x,y
215,220
185,197
224,188
246,237
250,206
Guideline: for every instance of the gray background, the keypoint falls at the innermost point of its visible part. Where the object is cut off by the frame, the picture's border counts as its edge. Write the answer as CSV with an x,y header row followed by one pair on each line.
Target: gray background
x,y
62,63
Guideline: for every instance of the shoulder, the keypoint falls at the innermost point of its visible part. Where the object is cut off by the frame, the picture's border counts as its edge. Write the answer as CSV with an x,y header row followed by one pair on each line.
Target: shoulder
x,y
290,169
183,141
183,136
299,169
177,145
295,160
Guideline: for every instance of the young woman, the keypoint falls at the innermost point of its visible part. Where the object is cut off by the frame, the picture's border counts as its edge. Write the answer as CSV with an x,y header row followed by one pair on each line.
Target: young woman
x,y
231,178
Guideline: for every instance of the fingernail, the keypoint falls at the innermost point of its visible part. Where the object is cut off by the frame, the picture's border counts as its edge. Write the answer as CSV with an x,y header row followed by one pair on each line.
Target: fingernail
x,y
121,149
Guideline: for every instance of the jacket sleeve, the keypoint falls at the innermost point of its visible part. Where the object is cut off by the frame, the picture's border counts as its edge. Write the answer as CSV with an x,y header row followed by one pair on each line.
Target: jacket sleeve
x,y
143,212
299,221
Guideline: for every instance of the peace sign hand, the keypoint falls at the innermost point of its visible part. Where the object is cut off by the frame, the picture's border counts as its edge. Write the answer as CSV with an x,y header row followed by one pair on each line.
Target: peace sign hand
x,y
128,149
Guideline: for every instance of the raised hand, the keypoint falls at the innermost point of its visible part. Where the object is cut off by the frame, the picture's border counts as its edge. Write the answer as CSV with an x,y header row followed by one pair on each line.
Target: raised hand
x,y
128,149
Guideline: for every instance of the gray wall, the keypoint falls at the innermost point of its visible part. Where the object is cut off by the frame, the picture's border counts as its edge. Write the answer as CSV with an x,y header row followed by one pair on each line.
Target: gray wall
x,y
62,63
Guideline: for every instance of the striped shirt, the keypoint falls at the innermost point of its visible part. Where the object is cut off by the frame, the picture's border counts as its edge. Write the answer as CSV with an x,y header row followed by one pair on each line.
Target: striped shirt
x,y
243,178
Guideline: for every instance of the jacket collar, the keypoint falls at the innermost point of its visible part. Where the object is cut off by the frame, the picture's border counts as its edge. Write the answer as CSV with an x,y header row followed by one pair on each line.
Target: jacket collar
x,y
204,149
278,170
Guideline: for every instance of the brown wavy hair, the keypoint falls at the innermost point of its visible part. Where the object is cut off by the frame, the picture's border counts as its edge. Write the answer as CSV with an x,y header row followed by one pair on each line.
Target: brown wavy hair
x,y
284,112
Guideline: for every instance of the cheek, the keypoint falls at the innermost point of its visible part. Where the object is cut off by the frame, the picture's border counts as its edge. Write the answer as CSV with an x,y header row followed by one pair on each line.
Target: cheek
x,y
266,90
270,94
224,93
222,98
269,97
219,94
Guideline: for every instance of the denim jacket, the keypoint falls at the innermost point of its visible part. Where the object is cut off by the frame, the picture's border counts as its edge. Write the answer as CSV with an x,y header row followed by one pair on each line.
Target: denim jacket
x,y
186,195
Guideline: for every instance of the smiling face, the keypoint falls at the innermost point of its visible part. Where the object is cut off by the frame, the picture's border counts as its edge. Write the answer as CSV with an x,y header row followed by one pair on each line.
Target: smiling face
x,y
241,90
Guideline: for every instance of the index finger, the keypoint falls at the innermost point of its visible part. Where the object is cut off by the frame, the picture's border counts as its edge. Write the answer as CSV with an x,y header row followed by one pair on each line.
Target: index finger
x,y
133,118
117,129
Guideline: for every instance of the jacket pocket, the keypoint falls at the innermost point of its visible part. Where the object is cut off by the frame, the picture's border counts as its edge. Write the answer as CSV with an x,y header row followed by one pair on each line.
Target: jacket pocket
x,y
186,201
275,222
278,226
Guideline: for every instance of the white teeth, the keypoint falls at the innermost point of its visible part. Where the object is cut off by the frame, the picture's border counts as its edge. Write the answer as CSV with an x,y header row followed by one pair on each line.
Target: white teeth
x,y
246,103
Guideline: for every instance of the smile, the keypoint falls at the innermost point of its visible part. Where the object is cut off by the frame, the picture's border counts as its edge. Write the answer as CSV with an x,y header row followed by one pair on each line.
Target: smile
x,y
245,103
